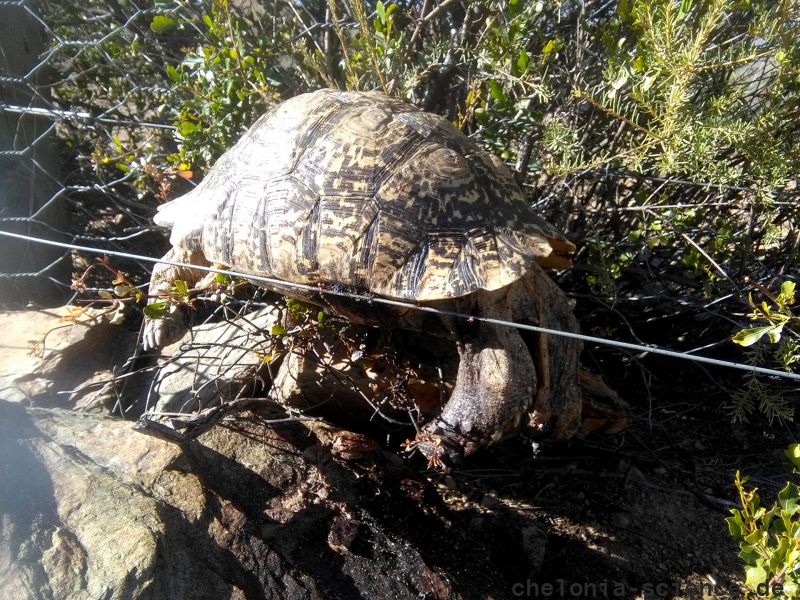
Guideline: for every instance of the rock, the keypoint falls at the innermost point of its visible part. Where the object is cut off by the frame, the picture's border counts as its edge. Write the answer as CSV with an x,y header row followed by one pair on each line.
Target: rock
x,y
49,360
215,362
90,508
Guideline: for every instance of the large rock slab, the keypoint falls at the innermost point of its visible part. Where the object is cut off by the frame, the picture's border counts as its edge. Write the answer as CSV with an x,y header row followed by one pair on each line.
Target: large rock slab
x,y
90,509
61,358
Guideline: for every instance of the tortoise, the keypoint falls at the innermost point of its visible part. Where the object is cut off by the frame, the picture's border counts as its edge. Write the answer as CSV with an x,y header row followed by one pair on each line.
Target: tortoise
x,y
362,192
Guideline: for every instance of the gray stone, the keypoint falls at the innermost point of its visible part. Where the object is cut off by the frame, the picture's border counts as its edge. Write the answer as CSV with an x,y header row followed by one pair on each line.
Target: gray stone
x,y
91,509
214,362
49,360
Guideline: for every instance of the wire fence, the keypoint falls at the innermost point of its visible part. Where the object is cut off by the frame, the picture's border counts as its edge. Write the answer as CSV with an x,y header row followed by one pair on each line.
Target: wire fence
x,y
85,136
267,281
47,176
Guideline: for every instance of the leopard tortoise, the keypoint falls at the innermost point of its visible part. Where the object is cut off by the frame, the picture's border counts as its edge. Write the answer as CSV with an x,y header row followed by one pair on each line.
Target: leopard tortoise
x,y
362,192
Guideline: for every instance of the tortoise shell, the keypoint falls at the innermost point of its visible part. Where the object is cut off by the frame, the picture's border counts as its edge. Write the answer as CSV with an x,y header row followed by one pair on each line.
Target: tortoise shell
x,y
362,190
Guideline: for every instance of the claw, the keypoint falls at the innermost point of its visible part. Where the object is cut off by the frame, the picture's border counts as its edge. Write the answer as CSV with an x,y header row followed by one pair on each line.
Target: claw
x,y
163,331
442,449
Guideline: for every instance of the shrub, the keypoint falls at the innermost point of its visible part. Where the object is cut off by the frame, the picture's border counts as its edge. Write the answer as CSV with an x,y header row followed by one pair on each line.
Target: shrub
x,y
769,537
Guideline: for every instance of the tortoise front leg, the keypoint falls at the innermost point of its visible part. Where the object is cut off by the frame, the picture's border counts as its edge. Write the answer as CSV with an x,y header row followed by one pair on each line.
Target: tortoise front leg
x,y
171,327
494,388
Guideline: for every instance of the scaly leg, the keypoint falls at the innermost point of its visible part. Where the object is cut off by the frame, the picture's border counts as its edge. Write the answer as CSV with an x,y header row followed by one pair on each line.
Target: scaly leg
x,y
171,327
494,388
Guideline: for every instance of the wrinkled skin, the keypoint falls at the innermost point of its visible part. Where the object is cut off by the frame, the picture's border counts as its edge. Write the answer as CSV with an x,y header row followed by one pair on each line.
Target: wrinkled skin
x,y
502,383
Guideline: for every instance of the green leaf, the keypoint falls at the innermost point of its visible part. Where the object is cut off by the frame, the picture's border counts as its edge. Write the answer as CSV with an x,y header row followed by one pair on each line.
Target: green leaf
x,y
181,287
754,576
787,291
686,6
522,60
187,127
277,330
793,559
173,74
774,334
789,498
481,115
755,537
748,554
381,10
624,9
549,48
156,310
748,337
793,454
163,24
778,555
496,91
735,525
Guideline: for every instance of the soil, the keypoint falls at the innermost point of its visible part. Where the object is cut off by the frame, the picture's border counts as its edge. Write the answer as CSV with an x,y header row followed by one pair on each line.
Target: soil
x,y
638,514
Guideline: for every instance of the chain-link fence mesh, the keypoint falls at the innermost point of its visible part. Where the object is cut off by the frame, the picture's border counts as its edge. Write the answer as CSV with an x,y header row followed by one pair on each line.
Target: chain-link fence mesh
x,y
65,97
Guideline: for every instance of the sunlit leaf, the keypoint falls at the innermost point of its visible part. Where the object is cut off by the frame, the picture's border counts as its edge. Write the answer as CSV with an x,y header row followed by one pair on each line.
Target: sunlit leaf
x,y
181,287
787,291
156,310
163,24
748,337
793,454
755,576
789,498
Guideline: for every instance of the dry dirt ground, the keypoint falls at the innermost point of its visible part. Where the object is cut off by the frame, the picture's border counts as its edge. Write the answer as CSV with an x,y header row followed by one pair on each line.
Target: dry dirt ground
x,y
638,514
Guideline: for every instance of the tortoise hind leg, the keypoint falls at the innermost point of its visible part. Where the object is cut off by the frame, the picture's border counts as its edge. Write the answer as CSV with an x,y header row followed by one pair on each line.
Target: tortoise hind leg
x,y
165,330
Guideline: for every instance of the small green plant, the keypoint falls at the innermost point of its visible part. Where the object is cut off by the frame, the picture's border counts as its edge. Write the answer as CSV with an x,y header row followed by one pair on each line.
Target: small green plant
x,y
781,327
221,86
780,319
769,537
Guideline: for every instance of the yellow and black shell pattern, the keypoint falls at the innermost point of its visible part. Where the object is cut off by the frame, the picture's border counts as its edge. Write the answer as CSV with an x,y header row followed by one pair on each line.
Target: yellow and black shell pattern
x,y
364,191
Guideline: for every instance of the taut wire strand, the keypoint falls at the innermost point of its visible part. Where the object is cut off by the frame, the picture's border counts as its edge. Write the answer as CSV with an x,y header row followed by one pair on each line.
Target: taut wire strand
x,y
379,300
